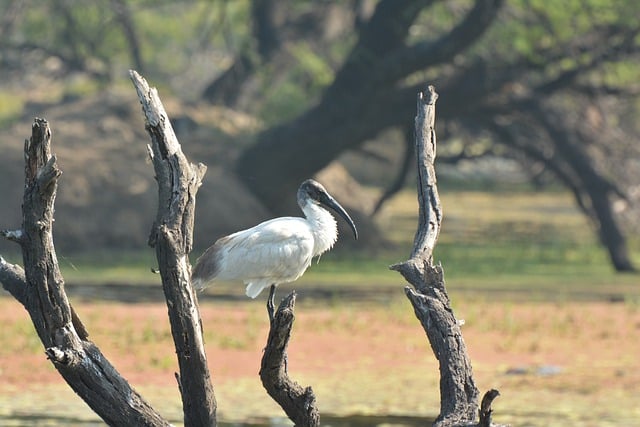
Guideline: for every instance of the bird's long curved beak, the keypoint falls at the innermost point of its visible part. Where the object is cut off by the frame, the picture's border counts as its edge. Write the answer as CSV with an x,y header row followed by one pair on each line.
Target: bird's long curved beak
x,y
332,203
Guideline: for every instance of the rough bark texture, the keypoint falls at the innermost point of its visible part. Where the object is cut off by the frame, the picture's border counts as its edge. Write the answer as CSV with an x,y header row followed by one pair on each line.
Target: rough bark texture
x,y
458,392
172,236
40,288
363,99
298,403
485,410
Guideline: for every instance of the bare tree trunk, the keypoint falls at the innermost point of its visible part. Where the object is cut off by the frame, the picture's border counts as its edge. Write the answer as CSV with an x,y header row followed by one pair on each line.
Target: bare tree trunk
x,y
172,237
592,191
458,391
364,99
297,402
593,186
40,288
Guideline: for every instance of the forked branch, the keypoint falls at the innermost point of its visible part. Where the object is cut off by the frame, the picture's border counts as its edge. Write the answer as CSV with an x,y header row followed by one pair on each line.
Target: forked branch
x,y
40,288
428,296
172,237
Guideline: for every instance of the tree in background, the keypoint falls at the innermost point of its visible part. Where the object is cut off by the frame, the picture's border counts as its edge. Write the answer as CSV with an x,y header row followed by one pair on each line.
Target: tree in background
x,y
552,86
532,79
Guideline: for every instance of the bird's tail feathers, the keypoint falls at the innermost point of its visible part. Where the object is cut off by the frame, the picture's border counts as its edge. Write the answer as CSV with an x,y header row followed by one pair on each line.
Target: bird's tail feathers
x,y
254,289
200,283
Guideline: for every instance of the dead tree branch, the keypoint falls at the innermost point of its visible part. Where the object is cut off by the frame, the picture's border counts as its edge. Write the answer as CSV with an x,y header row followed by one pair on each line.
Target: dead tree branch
x,y
485,410
40,288
458,391
172,236
297,402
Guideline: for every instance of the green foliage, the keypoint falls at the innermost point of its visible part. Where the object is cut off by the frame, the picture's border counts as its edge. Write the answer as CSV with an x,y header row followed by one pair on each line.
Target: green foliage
x,y
174,33
620,73
186,39
535,29
77,31
282,100
90,36
312,66
10,107
287,95
438,19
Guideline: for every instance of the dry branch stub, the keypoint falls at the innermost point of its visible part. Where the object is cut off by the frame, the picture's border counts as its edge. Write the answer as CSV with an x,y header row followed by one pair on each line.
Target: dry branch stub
x,y
428,296
485,410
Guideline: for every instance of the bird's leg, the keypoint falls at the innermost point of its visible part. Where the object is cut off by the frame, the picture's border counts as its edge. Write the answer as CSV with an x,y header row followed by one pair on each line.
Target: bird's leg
x,y
270,303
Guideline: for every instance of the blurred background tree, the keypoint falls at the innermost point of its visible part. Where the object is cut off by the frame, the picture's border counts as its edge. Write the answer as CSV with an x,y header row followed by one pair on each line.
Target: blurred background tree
x,y
551,87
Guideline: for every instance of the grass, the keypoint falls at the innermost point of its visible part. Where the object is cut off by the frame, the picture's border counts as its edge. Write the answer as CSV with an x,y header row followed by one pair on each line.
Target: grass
x,y
509,243
515,240
515,264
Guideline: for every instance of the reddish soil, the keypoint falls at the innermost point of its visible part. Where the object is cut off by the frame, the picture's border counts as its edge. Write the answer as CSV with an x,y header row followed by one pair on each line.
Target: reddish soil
x,y
583,348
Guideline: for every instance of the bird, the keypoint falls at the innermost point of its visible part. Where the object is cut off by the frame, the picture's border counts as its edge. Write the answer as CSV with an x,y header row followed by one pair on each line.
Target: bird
x,y
275,251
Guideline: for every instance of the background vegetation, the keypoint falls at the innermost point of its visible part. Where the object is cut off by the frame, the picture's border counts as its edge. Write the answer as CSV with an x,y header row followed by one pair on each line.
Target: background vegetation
x,y
538,167
532,92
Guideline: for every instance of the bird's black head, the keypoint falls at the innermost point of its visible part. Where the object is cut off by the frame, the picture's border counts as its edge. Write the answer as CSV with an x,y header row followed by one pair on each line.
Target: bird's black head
x,y
313,190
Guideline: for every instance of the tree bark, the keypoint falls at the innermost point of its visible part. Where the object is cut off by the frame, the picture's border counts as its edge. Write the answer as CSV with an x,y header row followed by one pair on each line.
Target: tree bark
x,y
429,298
40,288
172,237
566,157
485,410
362,100
593,187
369,95
297,402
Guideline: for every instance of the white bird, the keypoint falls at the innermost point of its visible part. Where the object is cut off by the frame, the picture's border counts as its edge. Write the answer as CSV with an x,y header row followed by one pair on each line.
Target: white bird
x,y
275,251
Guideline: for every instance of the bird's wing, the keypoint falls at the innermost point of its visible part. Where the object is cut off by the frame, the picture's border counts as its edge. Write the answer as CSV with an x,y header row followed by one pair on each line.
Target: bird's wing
x,y
277,251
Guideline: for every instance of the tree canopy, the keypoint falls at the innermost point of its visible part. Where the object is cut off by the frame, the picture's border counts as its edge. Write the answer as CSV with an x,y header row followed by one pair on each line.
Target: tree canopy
x,y
552,86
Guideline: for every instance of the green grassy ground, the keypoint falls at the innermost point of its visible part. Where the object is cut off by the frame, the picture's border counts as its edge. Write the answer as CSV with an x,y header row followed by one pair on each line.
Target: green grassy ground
x,y
526,243
515,265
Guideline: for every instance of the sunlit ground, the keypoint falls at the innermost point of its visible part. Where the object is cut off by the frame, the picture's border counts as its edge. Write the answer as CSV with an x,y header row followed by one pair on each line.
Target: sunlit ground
x,y
547,323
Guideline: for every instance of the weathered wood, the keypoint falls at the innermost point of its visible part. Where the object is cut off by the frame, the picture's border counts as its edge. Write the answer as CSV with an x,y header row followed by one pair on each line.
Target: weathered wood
x,y
40,288
299,403
172,237
13,280
485,410
458,392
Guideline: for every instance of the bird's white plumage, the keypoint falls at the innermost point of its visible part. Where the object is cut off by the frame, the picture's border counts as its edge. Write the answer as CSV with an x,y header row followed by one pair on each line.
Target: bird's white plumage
x,y
273,252
276,251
